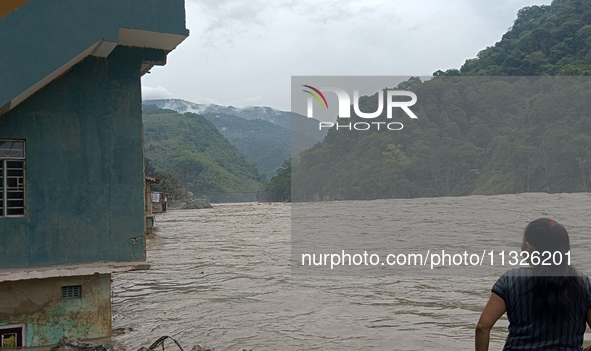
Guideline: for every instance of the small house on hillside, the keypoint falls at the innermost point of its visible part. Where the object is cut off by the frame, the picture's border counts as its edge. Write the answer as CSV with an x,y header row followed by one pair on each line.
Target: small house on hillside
x,y
155,202
159,202
71,157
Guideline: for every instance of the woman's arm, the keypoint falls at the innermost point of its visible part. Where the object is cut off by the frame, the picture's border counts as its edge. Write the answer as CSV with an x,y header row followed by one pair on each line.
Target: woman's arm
x,y
493,310
588,348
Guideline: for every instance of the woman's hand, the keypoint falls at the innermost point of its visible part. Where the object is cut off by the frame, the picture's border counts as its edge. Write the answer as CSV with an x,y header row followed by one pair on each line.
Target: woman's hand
x,y
493,310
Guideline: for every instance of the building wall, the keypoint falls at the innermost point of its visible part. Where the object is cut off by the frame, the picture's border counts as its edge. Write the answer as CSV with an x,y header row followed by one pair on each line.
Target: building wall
x,y
38,304
148,198
148,208
84,166
50,33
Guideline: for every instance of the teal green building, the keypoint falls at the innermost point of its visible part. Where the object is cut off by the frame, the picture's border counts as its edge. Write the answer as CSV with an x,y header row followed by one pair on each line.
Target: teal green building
x,y
71,157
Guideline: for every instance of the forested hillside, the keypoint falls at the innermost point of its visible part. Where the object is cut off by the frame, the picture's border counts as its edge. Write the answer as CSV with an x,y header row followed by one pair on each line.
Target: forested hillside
x,y
476,134
194,152
263,143
277,117
262,134
549,39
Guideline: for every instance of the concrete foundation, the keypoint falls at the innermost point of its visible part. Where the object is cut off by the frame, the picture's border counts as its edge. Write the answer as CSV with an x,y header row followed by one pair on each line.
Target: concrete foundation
x,y
47,316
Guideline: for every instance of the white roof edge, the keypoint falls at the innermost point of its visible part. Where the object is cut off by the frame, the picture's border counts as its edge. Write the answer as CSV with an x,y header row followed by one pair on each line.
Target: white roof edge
x,y
148,39
70,270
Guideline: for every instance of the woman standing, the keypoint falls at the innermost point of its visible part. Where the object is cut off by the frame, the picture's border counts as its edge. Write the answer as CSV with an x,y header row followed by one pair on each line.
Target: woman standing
x,y
547,305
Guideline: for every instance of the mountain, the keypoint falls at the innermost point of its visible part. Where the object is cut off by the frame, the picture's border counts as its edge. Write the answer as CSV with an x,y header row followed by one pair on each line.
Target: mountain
x,y
262,134
265,144
544,40
277,117
484,129
193,150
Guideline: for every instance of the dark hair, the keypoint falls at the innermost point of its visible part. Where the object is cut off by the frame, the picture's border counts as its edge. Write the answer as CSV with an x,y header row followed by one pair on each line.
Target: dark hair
x,y
558,289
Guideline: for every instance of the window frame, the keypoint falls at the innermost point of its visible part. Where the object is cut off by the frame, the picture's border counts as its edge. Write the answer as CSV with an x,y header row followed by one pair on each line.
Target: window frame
x,y
4,185
71,292
22,340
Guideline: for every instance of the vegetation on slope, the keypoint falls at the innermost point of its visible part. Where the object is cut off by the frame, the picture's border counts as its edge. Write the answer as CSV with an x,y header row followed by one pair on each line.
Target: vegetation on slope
x,y
193,151
279,187
474,135
544,40
263,143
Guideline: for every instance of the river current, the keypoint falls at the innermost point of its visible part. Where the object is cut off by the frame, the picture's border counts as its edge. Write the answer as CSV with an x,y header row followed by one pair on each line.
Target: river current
x,y
222,277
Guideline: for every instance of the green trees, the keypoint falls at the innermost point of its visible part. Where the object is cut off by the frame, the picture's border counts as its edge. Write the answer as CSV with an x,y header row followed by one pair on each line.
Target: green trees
x,y
474,135
279,187
192,154
483,129
168,183
552,40
261,142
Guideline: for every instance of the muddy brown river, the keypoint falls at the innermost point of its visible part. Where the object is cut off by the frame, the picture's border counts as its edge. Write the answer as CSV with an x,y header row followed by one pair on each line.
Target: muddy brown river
x,y
222,277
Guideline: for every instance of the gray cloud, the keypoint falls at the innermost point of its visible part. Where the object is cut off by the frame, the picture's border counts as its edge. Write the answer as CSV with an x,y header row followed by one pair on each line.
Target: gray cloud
x,y
243,49
225,20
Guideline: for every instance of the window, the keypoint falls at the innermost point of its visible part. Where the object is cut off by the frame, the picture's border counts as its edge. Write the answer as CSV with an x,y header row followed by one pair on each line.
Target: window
x,y
72,292
12,178
12,335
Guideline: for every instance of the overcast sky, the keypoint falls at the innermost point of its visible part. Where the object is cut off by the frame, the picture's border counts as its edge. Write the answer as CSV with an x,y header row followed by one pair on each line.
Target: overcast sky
x,y
244,52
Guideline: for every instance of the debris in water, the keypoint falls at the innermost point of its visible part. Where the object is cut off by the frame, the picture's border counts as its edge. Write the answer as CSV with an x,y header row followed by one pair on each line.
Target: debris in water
x,y
202,348
66,344
161,339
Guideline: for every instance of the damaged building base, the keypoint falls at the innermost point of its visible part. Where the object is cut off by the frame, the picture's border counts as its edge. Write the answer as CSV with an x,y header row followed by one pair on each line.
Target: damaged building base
x,y
40,311
41,305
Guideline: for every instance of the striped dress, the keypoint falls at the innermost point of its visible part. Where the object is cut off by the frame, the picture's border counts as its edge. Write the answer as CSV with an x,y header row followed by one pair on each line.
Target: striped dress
x,y
527,329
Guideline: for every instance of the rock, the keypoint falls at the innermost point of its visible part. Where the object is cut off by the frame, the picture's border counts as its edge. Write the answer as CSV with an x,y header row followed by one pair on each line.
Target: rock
x,y
196,204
